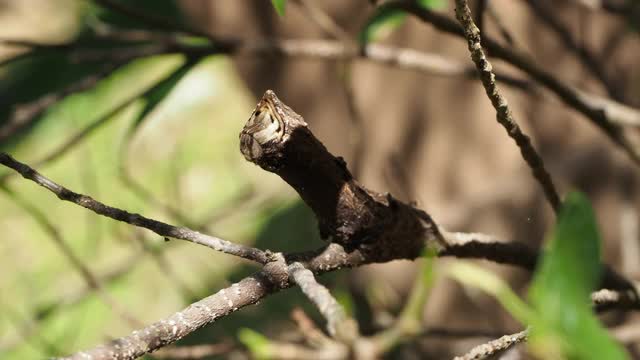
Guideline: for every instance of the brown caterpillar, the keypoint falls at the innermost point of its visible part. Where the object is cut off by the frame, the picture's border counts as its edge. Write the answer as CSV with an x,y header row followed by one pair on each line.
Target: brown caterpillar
x,y
264,125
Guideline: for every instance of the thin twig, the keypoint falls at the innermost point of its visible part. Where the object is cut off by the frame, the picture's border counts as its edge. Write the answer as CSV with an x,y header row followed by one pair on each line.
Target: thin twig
x,y
273,277
590,61
157,22
606,114
502,28
404,58
606,299
166,331
339,324
125,267
314,336
246,292
487,350
503,113
158,227
345,74
323,20
87,274
82,134
482,246
409,324
24,115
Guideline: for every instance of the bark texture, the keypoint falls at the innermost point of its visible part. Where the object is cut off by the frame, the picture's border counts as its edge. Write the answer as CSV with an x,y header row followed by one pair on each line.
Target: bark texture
x,y
278,139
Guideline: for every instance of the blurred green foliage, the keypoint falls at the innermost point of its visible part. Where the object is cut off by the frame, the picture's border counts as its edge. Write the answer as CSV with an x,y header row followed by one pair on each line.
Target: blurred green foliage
x,y
166,9
180,143
258,344
386,20
563,325
562,285
280,6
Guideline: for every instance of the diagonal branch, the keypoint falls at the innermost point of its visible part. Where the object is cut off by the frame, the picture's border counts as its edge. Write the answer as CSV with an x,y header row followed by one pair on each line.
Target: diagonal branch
x,y
25,114
606,114
158,227
83,133
588,58
481,246
503,113
493,347
323,20
339,325
379,229
76,262
273,277
409,324
149,19
249,291
166,331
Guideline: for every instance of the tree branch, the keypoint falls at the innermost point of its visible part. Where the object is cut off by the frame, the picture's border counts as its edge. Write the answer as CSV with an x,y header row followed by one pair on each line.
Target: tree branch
x,y
74,260
364,227
481,246
339,325
166,331
606,114
158,227
25,114
503,113
312,334
409,323
82,134
493,347
584,55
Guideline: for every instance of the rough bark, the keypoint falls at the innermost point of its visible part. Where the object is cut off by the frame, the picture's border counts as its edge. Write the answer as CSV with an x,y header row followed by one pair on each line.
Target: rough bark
x,y
278,139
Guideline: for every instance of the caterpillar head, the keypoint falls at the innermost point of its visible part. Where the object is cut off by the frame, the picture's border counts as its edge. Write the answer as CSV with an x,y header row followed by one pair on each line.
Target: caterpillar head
x,y
265,125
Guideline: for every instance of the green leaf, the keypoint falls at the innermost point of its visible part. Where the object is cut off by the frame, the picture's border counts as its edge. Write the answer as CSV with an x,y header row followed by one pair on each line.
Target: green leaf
x,y
432,4
479,278
381,25
412,314
344,298
161,90
568,273
428,272
386,19
258,344
151,100
168,9
34,78
279,5
571,269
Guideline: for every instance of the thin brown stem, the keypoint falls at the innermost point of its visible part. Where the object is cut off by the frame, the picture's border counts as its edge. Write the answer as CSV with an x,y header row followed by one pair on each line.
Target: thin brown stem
x,y
584,55
25,114
610,116
339,325
503,113
488,350
158,227
83,269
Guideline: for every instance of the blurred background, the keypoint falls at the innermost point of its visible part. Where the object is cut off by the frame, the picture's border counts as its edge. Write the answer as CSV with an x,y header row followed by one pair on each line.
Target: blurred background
x,y
89,122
